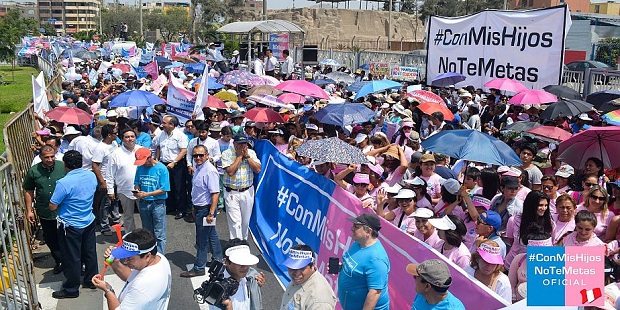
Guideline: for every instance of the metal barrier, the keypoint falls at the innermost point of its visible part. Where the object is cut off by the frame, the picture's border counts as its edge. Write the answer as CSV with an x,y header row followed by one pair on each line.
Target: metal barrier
x,y
601,79
573,79
18,289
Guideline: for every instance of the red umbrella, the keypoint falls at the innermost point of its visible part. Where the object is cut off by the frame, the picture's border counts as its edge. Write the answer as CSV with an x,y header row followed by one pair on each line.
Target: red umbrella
x,y
215,102
123,67
552,133
303,87
426,96
264,115
429,108
505,85
70,115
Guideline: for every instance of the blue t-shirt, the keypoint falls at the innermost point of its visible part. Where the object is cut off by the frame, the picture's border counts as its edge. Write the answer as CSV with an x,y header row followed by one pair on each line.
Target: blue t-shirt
x,y
450,303
363,269
74,197
144,139
153,178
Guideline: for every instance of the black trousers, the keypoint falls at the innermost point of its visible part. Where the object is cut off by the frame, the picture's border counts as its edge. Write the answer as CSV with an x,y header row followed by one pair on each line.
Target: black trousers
x,y
177,196
78,246
50,235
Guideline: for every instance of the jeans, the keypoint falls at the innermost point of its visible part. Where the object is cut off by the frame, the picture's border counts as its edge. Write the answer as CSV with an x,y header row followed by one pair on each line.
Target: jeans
x,y
78,246
153,215
207,240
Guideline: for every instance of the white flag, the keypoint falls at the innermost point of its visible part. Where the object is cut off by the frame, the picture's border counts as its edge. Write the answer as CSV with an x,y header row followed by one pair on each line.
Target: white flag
x,y
39,97
202,96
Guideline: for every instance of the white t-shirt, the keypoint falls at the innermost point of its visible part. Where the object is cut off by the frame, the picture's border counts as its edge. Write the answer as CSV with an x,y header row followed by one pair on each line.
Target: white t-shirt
x,y
502,287
149,288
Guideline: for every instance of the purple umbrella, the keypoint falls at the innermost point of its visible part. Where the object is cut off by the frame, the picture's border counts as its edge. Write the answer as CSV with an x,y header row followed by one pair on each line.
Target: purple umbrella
x,y
240,77
447,79
270,100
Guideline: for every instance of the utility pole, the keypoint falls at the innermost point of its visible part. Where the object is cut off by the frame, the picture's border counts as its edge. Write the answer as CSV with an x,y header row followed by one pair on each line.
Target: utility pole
x,y
389,27
264,9
100,19
141,25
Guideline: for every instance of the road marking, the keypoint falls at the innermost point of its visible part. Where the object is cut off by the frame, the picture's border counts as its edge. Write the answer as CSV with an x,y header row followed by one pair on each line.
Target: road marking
x,y
196,282
44,293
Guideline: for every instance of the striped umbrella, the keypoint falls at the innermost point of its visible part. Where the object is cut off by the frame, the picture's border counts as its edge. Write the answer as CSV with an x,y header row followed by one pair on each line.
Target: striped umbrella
x,y
270,101
240,77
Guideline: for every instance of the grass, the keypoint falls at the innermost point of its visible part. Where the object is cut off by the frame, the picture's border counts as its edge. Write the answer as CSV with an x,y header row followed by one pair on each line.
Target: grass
x,y
15,94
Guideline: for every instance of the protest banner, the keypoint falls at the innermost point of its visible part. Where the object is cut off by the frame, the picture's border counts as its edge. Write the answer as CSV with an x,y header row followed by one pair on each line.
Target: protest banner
x,y
402,73
379,68
277,43
296,205
527,46
39,97
180,101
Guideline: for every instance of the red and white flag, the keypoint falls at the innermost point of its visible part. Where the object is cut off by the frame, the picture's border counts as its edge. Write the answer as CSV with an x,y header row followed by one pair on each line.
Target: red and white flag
x,y
588,296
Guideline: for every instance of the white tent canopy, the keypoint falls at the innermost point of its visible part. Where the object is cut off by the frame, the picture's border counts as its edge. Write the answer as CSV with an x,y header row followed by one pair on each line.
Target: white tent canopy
x,y
266,26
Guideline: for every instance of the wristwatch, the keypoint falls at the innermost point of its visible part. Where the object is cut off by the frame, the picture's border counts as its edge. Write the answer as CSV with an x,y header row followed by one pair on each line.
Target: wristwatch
x,y
109,289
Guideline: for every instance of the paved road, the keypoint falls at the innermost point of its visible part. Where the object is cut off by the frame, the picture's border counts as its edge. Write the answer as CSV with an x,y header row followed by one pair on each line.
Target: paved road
x,y
180,252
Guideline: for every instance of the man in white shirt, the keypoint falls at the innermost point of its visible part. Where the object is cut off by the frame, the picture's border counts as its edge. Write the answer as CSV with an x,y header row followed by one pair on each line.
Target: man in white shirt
x,y
86,146
121,172
105,211
212,146
170,149
270,63
287,66
259,66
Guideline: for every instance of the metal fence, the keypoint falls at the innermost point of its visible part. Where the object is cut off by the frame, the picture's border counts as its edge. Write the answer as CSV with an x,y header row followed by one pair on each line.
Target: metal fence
x,y
600,79
606,52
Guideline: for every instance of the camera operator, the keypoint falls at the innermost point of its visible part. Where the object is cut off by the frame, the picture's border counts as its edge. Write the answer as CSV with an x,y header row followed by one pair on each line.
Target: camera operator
x,y
146,272
237,261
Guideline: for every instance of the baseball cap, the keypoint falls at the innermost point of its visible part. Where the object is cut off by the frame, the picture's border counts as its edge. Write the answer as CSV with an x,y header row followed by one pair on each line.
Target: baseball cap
x,y
240,139
249,124
141,155
369,219
241,255
432,271
129,249
71,131
405,193
491,254
565,171
297,259
276,132
361,178
451,185
443,223
513,172
492,219
312,127
510,182
422,213
426,158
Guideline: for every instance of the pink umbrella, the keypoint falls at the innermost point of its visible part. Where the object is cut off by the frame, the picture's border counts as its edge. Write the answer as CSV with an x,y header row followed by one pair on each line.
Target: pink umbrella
x,y
270,100
551,134
292,98
426,96
270,80
505,85
264,115
533,96
303,88
599,142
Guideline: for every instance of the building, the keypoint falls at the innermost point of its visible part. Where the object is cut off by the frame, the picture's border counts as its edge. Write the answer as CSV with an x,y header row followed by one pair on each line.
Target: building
x,y
245,6
70,16
164,5
26,9
573,5
608,8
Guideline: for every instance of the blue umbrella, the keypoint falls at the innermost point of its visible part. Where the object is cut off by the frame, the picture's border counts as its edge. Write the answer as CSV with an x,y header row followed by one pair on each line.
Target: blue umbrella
x,y
447,79
344,114
355,87
162,61
376,86
365,67
322,82
136,98
176,64
212,83
195,67
472,145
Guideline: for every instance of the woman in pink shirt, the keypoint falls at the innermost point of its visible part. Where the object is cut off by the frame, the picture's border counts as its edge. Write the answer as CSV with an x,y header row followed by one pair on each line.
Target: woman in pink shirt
x,y
424,230
549,186
565,222
585,222
587,182
405,199
451,232
597,204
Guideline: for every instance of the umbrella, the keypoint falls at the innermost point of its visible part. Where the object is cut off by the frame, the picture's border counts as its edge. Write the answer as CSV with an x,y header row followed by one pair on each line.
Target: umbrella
x,y
429,108
270,100
264,115
426,96
550,134
70,115
566,107
322,82
195,67
356,86
125,68
533,96
341,77
72,52
162,61
303,88
240,77
330,62
365,67
344,114
270,80
264,89
600,97
212,83
521,126
472,145
599,142
215,102
563,92
332,150
609,106
136,98
612,118
505,85
226,96
184,59
292,98
447,79
176,64
89,55
376,86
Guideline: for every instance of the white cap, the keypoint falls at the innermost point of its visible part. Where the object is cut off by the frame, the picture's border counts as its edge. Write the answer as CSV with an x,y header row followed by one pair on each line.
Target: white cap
x,y
584,117
423,213
360,137
277,131
405,193
393,189
241,255
443,223
312,127
416,181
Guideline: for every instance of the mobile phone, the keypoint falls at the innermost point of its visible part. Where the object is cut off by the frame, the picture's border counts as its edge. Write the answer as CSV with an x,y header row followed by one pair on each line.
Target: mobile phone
x,y
135,191
333,266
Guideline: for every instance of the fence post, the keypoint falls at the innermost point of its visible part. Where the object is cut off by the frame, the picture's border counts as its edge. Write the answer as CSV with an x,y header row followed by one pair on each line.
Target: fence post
x,y
592,52
357,59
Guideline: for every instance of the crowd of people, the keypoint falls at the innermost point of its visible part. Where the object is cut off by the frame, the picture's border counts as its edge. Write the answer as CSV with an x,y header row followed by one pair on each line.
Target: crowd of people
x,y
86,178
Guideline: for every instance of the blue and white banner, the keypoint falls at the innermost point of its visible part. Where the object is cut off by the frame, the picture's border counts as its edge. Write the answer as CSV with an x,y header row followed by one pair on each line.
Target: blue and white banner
x,y
180,101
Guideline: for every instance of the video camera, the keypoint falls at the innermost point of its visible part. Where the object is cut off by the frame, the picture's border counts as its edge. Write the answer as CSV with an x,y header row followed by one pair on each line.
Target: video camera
x,y
217,288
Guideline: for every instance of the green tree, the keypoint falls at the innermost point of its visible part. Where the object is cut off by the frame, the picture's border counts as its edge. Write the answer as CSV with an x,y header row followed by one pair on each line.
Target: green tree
x,y
12,29
172,22
49,29
608,51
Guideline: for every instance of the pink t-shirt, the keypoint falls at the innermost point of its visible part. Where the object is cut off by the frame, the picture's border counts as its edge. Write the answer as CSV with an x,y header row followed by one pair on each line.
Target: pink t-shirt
x,y
459,255
512,231
433,185
561,228
571,240
424,203
394,177
432,240
601,223
522,193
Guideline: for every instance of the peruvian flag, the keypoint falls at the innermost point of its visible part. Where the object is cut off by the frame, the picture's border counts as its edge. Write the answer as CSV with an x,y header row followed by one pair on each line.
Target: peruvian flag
x,y
588,296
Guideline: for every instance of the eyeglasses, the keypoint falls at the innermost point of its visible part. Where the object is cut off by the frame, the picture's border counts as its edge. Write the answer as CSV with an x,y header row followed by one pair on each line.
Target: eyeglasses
x,y
547,187
405,200
481,222
597,198
360,184
586,184
198,155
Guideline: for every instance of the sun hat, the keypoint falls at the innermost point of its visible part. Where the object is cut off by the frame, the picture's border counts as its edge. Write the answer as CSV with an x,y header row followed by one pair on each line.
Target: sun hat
x,y
417,181
297,259
442,223
392,151
422,213
369,219
141,155
405,193
241,255
361,178
414,137
451,185
215,126
491,254
71,131
129,249
432,271
565,171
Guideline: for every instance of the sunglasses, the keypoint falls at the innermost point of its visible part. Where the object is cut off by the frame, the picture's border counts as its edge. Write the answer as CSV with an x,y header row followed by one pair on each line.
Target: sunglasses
x,y
586,184
360,184
547,187
597,198
481,222
198,155
406,200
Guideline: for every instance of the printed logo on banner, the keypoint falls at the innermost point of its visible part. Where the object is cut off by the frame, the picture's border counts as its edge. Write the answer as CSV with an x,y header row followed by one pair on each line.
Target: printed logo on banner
x,y
277,43
565,276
